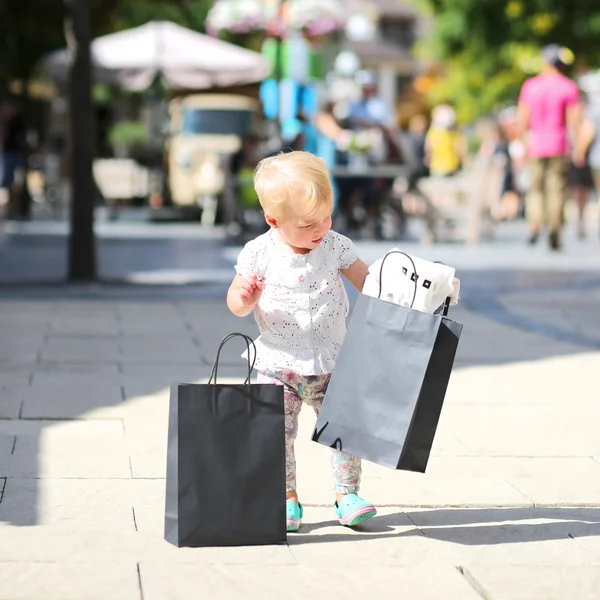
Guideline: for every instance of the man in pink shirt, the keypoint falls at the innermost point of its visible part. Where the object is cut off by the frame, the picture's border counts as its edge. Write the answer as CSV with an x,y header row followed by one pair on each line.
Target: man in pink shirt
x,y
548,109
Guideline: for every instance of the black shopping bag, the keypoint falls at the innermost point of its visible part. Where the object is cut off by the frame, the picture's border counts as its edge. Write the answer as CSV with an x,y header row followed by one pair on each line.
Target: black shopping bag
x,y
226,463
386,393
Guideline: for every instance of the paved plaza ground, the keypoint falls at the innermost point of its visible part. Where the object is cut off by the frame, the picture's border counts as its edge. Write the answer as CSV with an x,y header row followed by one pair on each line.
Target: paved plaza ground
x,y
509,508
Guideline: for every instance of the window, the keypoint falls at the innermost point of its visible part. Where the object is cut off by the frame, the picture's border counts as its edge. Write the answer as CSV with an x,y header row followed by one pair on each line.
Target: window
x,y
398,31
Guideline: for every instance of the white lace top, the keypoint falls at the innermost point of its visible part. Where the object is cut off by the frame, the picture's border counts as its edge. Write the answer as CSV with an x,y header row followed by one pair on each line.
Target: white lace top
x,y
302,312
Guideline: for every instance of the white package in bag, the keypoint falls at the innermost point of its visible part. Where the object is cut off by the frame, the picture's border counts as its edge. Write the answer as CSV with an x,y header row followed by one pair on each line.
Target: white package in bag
x,y
392,278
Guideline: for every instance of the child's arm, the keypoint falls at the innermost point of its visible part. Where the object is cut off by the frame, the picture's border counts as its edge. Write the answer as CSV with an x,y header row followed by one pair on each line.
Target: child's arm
x,y
244,294
356,274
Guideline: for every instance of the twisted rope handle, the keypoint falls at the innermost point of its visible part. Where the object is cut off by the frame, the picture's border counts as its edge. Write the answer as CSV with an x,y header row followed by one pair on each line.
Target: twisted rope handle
x,y
249,342
414,271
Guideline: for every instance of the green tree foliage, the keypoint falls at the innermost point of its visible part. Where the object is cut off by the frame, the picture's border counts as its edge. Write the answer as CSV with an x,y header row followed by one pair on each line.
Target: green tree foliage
x,y
124,14
30,29
27,31
489,47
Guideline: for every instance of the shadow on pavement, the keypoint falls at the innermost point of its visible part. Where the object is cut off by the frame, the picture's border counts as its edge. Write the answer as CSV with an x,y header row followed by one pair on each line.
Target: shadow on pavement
x,y
32,386
470,527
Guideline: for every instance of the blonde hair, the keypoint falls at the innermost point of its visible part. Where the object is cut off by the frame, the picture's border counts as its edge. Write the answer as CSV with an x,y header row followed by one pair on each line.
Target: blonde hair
x,y
295,182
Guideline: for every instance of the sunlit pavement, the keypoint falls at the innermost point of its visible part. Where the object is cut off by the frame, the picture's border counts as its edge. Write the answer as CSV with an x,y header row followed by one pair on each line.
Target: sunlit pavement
x,y
508,509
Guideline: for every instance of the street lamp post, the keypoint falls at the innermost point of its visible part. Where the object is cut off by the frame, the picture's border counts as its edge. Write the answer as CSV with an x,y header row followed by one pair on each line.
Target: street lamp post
x,y
82,246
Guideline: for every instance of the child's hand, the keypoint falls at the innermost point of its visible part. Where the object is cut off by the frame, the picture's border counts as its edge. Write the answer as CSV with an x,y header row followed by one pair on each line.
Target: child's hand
x,y
251,291
454,296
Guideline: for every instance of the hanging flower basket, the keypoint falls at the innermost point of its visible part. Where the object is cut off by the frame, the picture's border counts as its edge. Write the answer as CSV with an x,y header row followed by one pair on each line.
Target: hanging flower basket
x,y
236,17
318,20
244,21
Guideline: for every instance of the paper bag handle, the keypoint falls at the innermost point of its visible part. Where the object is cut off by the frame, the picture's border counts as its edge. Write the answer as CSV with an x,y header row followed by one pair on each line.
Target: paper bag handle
x,y
448,299
446,306
414,271
249,342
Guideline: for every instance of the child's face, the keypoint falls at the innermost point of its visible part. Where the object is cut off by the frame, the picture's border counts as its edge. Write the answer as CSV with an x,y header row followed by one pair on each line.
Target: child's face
x,y
301,233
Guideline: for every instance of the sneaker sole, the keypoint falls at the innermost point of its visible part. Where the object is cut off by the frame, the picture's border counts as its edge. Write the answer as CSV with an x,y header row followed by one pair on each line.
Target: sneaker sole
x,y
359,516
293,525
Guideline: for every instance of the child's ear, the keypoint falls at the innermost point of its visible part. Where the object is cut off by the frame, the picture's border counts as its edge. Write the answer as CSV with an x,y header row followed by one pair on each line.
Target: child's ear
x,y
271,220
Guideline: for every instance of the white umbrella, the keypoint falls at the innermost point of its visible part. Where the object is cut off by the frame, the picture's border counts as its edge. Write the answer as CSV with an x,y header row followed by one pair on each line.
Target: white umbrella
x,y
184,58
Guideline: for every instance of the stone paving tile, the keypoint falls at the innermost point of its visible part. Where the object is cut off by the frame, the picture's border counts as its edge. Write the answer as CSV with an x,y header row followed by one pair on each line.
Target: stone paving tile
x,y
31,459
18,348
540,382
150,516
448,480
146,392
67,449
443,536
476,344
148,463
14,376
372,543
71,402
27,321
148,309
52,503
544,481
556,480
295,582
439,489
10,403
59,544
139,317
114,580
538,431
84,503
85,325
18,355
141,327
86,493
81,374
538,582
7,442
165,350
512,535
585,531
212,324
88,308
146,380
60,348
138,374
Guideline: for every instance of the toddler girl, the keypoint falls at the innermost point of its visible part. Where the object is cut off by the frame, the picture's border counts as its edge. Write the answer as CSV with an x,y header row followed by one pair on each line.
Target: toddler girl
x,y
290,279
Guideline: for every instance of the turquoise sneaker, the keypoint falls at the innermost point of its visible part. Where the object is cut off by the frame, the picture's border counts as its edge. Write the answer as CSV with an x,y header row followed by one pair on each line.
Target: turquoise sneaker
x,y
353,510
294,515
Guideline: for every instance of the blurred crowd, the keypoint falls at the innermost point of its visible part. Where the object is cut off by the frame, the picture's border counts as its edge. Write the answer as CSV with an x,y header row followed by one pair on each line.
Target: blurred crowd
x,y
532,156
12,151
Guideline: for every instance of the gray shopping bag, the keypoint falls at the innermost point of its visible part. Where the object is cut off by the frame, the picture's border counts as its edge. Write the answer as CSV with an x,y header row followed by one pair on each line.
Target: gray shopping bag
x,y
386,393
226,463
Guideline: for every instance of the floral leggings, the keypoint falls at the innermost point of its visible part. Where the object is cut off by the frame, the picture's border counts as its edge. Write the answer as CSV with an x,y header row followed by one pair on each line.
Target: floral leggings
x,y
310,390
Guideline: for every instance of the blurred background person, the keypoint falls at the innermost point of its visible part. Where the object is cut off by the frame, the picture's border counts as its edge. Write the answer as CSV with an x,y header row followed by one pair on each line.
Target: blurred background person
x,y
495,148
508,120
548,113
369,110
322,135
444,146
13,149
329,137
417,133
586,153
372,125
581,183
